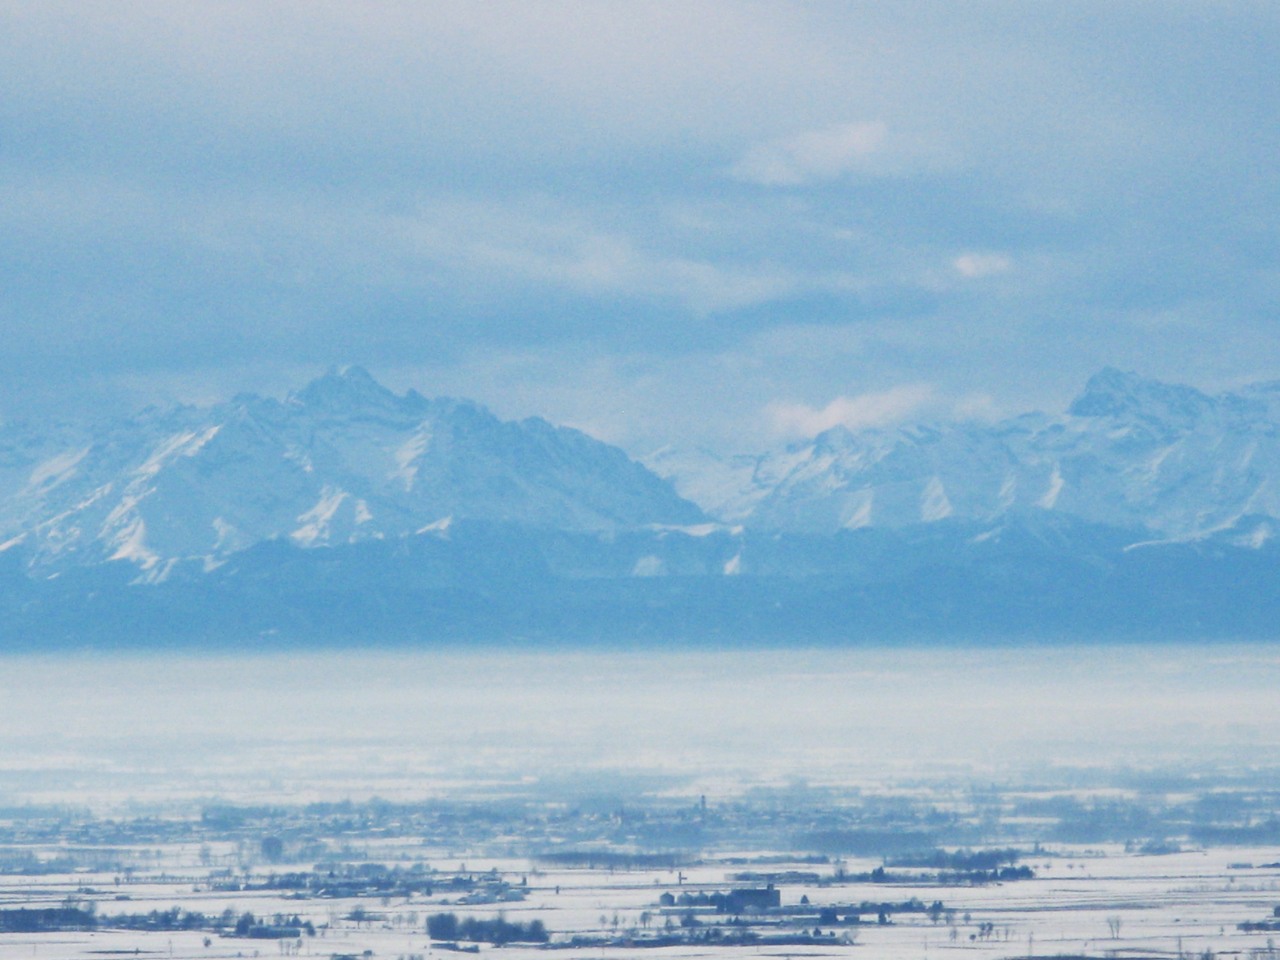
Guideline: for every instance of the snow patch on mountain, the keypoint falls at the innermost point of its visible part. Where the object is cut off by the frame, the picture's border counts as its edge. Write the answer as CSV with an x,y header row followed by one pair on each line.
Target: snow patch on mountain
x,y
317,523
859,510
1050,498
56,470
406,455
440,526
934,504
131,544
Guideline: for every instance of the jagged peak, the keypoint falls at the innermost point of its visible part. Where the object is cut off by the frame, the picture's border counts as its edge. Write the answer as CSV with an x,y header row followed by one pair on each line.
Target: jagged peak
x,y
353,388
458,407
1112,392
836,438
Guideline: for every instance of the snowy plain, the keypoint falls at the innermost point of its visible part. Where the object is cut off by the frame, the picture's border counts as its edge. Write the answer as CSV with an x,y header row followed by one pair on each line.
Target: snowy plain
x,y
295,727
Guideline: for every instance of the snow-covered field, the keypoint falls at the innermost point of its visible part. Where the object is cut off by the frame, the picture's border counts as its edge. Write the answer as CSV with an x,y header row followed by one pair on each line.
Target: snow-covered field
x,y
1100,902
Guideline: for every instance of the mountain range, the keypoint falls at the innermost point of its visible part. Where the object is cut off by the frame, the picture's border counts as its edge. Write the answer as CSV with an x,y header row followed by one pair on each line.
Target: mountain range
x,y
1129,452
346,513
341,461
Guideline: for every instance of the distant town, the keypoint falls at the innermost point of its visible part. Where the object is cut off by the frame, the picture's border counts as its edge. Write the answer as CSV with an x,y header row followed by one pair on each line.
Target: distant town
x,y
1162,867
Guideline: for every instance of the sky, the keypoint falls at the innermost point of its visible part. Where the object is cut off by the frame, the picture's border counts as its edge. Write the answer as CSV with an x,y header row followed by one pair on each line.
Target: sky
x,y
729,224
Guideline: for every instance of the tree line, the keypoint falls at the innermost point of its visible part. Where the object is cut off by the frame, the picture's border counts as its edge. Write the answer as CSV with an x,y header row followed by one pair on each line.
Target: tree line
x,y
499,930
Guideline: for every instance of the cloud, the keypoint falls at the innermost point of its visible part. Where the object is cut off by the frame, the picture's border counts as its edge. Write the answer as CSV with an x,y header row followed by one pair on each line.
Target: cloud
x,y
976,406
975,266
182,197
856,413
810,157
555,246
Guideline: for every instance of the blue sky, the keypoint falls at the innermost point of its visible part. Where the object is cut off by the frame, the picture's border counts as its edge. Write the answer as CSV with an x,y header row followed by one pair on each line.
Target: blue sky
x,y
721,223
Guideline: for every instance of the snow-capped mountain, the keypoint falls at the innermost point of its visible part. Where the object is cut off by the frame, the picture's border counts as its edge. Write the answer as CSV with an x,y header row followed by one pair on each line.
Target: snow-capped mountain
x,y
346,513
1129,452
340,461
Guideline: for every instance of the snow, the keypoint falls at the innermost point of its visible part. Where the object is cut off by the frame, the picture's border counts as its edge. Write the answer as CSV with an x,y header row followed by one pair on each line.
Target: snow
x,y
437,526
934,504
317,522
186,444
406,470
862,503
56,470
692,530
225,532
729,488
1008,494
1258,537
295,454
1050,498
132,545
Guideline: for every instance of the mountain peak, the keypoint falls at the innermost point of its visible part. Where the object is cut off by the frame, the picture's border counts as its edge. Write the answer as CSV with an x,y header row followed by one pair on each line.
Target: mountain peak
x,y
1111,392
351,388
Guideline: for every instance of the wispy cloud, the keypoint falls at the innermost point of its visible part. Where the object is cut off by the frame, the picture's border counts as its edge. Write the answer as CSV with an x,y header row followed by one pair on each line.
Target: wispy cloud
x,y
976,406
858,412
555,245
813,156
976,265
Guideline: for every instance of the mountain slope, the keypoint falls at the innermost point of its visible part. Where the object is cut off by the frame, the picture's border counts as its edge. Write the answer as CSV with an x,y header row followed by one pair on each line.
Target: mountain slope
x,y
1052,579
